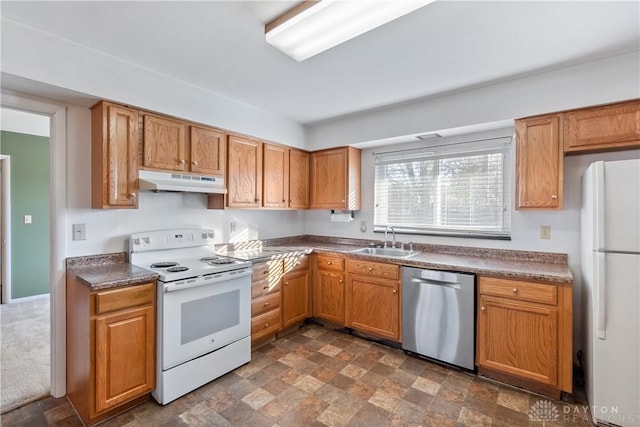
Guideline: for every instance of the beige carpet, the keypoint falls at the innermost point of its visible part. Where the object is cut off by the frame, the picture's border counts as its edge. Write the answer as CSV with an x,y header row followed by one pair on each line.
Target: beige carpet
x,y
25,354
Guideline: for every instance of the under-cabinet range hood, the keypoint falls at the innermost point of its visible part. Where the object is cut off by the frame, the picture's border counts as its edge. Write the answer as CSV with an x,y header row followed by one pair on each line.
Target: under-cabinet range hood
x,y
174,181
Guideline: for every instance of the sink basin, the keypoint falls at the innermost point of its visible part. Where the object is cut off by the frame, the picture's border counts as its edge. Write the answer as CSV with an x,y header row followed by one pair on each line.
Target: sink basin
x,y
385,252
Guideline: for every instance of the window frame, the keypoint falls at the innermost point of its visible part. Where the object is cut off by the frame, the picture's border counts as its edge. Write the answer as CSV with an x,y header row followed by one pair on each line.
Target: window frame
x,y
503,145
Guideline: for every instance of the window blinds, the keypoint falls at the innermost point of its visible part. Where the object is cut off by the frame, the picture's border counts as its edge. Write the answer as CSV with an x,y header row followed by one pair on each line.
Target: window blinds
x,y
461,189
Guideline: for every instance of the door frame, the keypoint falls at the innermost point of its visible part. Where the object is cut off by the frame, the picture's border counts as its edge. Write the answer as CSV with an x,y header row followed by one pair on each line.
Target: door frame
x,y
5,227
57,221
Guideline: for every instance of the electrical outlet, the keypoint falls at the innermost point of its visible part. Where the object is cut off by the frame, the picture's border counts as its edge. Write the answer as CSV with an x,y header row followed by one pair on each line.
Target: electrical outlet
x,y
545,232
79,231
232,227
363,226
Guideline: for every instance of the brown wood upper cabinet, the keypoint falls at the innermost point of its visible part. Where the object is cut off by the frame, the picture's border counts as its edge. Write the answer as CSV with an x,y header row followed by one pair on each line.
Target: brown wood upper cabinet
x,y
165,143
208,151
335,179
285,177
114,164
539,163
244,172
608,127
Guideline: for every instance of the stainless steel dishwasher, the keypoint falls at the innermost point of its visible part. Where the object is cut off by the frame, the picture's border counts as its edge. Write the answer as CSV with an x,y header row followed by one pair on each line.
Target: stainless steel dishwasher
x,y
438,318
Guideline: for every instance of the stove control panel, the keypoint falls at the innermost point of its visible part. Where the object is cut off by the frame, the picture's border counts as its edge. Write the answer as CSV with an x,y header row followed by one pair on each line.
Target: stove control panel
x,y
170,239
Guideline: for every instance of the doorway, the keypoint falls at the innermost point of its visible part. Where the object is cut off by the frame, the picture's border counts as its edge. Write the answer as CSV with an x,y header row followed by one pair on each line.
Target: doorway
x,y
57,213
24,251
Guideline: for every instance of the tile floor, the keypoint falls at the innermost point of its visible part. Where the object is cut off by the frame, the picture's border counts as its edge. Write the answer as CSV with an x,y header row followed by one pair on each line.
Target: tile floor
x,y
320,377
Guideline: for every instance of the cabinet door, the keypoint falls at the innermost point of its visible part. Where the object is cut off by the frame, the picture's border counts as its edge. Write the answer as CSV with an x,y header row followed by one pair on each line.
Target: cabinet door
x,y
518,338
208,151
245,173
116,143
373,305
329,179
330,296
125,356
295,297
164,143
539,163
298,179
610,127
275,176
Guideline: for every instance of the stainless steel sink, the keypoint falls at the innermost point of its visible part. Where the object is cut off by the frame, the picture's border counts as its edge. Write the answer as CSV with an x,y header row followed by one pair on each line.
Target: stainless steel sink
x,y
385,252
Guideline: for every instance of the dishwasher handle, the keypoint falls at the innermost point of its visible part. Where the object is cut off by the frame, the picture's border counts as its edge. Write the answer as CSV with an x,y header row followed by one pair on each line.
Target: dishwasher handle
x,y
453,285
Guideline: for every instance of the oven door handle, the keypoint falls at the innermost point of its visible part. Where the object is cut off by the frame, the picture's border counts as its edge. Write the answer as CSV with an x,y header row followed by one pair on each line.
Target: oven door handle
x,y
194,282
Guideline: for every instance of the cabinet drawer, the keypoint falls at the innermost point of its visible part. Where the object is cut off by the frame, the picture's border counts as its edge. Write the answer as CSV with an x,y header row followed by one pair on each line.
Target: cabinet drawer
x,y
117,299
265,324
387,271
330,263
264,287
294,263
525,291
265,303
265,270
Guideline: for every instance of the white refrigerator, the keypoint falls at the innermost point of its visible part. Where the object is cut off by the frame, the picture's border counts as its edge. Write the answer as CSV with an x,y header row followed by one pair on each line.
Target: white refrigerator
x,y
610,233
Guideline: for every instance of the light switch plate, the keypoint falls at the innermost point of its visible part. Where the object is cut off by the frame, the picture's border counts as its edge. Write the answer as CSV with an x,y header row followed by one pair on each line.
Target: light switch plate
x,y
545,232
79,231
28,219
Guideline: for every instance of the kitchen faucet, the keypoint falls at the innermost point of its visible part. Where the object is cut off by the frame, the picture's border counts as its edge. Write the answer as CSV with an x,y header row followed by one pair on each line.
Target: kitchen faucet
x,y
393,243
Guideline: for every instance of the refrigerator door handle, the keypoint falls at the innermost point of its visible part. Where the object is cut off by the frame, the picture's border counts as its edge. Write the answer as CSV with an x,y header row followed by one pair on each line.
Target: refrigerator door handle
x,y
601,293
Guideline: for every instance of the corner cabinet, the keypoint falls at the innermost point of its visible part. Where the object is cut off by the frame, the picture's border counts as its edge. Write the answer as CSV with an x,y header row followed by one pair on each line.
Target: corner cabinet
x,y
524,334
244,172
114,165
110,348
539,163
335,179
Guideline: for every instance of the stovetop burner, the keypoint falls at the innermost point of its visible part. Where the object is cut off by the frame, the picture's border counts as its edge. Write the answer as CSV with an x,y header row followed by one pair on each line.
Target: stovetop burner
x,y
177,269
164,264
209,258
221,261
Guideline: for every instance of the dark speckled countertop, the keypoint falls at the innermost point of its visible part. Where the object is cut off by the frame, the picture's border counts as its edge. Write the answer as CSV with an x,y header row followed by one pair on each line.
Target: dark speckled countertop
x,y
524,265
113,270
108,271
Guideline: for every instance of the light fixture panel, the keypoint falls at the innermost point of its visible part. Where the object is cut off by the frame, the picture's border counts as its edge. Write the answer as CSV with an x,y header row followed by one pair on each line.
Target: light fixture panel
x,y
327,23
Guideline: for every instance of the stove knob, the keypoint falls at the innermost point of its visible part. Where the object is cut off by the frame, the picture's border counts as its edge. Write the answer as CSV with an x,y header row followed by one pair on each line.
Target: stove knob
x,y
147,240
211,236
136,241
204,235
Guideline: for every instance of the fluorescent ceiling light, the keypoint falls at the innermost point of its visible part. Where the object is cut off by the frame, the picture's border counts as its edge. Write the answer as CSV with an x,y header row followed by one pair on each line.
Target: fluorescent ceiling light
x,y
429,136
315,26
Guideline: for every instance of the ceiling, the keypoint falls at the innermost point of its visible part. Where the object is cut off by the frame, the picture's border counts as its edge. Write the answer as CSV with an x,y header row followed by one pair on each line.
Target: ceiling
x,y
443,47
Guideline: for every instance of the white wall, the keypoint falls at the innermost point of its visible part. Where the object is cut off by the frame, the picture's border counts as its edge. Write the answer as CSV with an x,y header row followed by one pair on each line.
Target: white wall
x,y
107,230
599,82
39,56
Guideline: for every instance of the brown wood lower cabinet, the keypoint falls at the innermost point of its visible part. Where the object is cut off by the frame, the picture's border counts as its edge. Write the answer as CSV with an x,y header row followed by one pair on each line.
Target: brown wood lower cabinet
x,y
524,334
265,301
295,291
329,295
373,298
110,348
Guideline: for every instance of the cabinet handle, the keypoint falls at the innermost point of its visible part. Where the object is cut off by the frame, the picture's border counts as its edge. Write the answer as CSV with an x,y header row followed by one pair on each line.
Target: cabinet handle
x,y
395,291
132,195
340,281
266,304
554,196
515,290
370,269
194,163
266,325
181,161
265,272
286,283
329,263
284,200
265,288
342,200
483,308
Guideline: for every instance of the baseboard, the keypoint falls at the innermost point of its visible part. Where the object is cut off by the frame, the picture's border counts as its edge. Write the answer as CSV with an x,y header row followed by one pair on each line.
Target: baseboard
x,y
26,299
